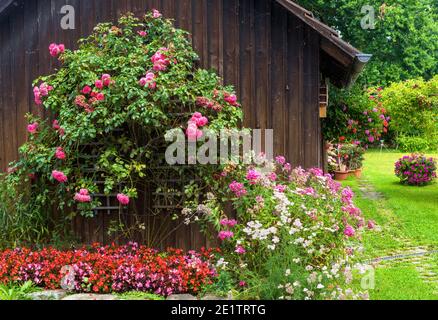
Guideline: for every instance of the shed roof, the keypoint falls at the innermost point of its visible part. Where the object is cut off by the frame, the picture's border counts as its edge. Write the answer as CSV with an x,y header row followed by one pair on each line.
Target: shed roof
x,y
340,61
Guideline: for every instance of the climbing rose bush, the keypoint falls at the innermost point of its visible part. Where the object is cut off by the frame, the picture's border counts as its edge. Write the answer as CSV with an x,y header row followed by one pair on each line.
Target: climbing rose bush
x,y
295,233
113,100
416,169
111,269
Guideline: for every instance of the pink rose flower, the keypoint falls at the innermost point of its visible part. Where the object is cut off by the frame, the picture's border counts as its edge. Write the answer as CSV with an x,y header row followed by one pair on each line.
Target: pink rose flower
x,y
123,199
59,176
32,128
98,84
156,14
100,96
60,154
83,196
86,90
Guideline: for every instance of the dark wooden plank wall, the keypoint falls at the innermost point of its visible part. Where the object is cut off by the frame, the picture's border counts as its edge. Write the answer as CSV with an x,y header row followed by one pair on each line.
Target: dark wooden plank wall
x,y
270,56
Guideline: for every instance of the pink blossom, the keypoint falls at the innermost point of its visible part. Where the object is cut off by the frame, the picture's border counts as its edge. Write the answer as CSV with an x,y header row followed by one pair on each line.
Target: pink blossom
x,y
100,96
41,91
142,33
98,84
123,199
156,14
242,284
86,90
32,128
148,80
223,235
280,160
371,139
83,196
231,99
253,175
193,132
280,188
371,224
106,79
238,189
272,176
287,167
60,154
228,223
59,176
349,231
240,250
55,49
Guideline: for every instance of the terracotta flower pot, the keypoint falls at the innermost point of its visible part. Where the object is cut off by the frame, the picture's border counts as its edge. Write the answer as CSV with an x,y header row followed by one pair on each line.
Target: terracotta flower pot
x,y
341,175
358,173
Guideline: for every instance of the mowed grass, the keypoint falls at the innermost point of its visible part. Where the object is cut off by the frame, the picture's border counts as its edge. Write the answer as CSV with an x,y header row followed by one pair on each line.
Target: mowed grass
x,y
407,217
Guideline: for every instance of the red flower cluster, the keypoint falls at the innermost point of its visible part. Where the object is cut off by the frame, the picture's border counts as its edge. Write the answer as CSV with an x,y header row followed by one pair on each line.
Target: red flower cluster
x,y
111,269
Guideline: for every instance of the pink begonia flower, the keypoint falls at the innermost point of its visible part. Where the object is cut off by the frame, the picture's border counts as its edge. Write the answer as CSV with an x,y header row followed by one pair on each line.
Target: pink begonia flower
x,y
86,90
98,84
83,196
60,154
349,231
240,250
142,33
156,14
32,128
223,235
123,199
106,79
59,176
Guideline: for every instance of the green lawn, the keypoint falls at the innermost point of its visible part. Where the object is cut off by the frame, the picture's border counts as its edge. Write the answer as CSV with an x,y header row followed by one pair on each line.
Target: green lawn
x,y
408,219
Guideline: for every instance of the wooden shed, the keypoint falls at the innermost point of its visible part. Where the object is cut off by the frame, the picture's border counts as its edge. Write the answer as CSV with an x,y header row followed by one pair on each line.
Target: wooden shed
x,y
276,54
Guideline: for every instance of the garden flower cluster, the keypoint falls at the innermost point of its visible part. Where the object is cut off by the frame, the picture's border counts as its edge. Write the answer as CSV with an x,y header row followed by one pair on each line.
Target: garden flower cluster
x,y
111,269
416,169
301,219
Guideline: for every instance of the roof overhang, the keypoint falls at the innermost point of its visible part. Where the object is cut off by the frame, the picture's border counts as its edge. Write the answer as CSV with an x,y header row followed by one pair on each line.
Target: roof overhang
x,y
340,61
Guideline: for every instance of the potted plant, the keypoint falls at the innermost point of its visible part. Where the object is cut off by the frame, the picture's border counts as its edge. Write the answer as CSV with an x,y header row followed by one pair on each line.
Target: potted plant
x,y
338,161
355,159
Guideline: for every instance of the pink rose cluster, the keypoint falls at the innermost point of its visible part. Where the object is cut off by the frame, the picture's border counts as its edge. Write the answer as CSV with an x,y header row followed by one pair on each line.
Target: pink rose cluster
x,y
148,80
59,176
90,97
41,91
56,49
160,60
83,196
197,121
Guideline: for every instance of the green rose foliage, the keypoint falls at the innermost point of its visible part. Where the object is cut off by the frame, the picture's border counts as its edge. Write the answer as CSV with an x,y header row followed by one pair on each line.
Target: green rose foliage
x,y
113,130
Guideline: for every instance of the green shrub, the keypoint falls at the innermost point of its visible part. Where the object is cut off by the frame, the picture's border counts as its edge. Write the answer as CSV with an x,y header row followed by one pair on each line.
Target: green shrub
x,y
413,106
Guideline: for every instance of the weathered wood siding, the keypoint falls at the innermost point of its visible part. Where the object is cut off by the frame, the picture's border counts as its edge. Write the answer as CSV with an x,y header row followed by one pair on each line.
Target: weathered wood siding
x,y
269,55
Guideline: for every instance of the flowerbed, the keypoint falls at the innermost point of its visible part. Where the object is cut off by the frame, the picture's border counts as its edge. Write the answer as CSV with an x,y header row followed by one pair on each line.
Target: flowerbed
x,y
295,233
415,169
110,269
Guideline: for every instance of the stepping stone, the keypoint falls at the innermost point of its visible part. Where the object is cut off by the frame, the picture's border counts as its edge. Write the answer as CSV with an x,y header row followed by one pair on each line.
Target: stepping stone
x,y
90,296
182,297
48,295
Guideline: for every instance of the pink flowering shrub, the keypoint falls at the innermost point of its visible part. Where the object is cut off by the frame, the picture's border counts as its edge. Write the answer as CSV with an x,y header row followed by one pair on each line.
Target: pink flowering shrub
x,y
302,224
416,169
126,84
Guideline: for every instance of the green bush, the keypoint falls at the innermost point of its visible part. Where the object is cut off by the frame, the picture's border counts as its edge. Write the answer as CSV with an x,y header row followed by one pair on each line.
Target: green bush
x,y
413,106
